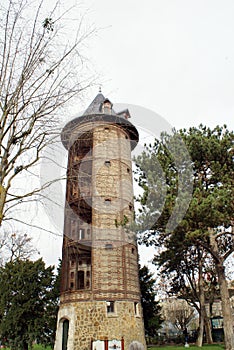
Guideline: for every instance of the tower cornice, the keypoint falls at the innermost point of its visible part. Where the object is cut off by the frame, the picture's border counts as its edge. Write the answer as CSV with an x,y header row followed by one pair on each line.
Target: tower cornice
x,y
70,128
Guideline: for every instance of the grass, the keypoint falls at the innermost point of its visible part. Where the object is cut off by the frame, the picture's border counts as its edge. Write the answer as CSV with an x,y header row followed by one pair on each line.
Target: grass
x,y
191,347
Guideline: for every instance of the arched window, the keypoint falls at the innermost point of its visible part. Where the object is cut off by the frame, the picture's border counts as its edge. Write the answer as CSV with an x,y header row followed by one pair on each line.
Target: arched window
x,y
65,334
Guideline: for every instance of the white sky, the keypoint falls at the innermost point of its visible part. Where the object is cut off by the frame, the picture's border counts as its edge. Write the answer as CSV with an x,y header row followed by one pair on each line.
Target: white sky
x,y
175,57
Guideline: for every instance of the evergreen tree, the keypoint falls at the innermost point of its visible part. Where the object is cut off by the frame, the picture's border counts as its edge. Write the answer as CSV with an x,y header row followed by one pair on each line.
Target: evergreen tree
x,y
26,303
208,222
151,308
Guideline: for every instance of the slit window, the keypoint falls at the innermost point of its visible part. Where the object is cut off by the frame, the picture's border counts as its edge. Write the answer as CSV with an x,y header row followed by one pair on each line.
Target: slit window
x,y
107,129
107,201
81,233
107,163
110,306
130,206
128,170
136,308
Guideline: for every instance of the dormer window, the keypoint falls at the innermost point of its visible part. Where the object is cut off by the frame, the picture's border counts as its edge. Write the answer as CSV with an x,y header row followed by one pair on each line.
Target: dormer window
x,y
124,114
107,107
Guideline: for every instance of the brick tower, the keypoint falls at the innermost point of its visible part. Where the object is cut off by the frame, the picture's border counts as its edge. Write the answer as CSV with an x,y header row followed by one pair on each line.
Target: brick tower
x,y
100,295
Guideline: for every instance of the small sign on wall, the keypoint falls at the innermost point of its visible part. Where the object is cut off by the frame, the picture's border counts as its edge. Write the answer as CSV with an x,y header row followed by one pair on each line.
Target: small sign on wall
x,y
114,344
98,345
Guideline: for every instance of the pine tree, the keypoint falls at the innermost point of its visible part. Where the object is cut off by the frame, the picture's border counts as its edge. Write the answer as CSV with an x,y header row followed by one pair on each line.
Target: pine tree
x,y
208,221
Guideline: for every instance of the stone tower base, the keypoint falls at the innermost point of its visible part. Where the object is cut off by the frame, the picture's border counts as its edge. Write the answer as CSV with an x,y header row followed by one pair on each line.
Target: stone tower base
x,y
93,321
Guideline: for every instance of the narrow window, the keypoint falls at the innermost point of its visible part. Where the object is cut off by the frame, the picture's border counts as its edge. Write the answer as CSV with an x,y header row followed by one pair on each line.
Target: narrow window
x,y
136,308
88,273
133,251
107,201
107,129
110,306
130,207
72,274
81,233
71,285
80,276
128,170
107,163
88,231
65,334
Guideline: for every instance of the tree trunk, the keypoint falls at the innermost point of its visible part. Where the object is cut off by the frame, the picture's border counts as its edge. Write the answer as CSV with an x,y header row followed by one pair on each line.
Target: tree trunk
x,y
226,308
225,297
200,331
2,202
202,304
209,338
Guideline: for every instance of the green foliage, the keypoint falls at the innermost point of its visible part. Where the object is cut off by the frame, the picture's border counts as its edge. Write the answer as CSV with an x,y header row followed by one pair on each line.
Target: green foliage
x,y
210,209
191,347
28,300
151,308
122,222
211,153
211,205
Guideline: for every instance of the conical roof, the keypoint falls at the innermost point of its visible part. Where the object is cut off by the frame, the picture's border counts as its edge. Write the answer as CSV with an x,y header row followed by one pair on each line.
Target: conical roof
x,y
95,106
100,110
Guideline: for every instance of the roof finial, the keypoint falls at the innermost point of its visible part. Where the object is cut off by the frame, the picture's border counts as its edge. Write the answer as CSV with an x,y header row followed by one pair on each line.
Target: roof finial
x,y
100,89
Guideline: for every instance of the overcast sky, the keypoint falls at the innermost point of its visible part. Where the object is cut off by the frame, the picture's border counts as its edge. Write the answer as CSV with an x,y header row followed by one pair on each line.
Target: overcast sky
x,y
175,57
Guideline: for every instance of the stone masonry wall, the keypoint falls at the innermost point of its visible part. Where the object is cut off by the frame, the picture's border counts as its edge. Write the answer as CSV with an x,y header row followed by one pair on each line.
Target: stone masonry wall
x,y
90,321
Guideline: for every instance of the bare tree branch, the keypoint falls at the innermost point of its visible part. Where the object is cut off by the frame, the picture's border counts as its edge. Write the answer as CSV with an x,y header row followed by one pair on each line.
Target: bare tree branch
x,y
40,72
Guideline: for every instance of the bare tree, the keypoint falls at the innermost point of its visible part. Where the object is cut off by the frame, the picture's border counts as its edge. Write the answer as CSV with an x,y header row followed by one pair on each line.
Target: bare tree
x,y
15,246
178,312
40,71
